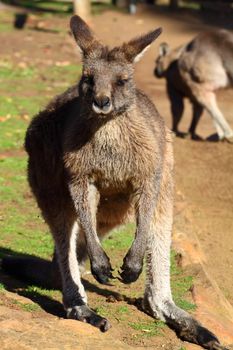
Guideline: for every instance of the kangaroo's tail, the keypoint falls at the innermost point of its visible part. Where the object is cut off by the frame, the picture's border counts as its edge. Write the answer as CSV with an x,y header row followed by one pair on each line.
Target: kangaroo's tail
x,y
33,270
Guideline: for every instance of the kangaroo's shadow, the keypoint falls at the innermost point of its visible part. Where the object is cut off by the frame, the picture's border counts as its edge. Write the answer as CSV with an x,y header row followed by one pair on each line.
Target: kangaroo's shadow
x,y
20,284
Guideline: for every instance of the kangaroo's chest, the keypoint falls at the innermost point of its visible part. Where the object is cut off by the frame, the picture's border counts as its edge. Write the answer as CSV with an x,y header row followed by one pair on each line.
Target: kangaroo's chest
x,y
116,157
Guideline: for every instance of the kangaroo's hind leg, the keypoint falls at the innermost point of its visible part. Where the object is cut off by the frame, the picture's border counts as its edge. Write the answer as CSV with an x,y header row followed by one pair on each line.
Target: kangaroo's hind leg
x,y
197,112
177,109
61,218
81,251
207,99
158,300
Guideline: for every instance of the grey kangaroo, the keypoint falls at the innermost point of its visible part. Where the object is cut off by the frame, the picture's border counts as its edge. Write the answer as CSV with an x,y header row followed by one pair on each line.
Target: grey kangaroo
x,y
196,71
98,153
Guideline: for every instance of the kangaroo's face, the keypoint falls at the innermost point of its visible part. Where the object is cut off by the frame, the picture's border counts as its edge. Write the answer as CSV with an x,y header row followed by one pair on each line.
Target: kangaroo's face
x,y
163,61
107,85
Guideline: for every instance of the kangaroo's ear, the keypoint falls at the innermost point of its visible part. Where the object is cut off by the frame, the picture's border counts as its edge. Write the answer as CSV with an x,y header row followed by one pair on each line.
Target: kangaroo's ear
x,y
135,48
164,49
84,36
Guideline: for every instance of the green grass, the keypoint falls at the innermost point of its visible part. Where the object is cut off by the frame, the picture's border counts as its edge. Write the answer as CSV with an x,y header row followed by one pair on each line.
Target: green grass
x,y
22,228
120,239
120,313
148,328
29,307
23,92
33,291
180,285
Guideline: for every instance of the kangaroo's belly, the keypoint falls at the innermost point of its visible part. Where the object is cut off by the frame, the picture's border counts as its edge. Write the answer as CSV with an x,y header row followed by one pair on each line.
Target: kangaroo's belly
x,y
115,208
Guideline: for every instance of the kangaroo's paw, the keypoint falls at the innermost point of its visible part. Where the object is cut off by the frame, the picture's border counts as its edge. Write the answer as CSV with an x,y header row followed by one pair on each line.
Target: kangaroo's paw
x,y
185,326
84,314
131,269
101,269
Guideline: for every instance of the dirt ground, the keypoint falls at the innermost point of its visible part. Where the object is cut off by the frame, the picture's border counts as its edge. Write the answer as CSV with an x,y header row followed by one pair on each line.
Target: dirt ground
x,y
203,170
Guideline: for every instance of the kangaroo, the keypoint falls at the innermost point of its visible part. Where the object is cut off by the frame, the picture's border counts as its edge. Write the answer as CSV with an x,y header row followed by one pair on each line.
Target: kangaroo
x,y
98,153
196,71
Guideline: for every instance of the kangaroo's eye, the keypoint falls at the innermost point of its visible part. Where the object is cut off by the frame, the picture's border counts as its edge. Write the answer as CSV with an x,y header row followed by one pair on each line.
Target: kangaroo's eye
x,y
121,82
88,79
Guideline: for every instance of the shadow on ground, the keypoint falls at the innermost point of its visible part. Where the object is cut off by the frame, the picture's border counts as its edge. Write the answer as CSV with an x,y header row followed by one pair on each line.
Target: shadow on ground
x,y
16,282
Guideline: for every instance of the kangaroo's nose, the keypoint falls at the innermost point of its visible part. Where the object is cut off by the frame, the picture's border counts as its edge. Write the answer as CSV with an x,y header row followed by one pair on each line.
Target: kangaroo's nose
x,y
102,101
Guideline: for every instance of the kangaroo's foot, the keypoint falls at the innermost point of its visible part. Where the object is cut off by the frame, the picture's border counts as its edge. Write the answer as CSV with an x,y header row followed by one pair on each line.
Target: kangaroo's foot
x,y
101,269
84,314
196,137
229,139
131,268
185,326
180,134
192,136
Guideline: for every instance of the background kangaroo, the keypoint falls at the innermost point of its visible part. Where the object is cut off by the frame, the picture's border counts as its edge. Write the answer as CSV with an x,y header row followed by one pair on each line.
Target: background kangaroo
x,y
97,153
196,71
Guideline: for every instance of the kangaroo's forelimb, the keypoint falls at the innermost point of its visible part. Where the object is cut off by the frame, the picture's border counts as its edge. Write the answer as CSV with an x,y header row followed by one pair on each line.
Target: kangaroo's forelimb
x,y
86,200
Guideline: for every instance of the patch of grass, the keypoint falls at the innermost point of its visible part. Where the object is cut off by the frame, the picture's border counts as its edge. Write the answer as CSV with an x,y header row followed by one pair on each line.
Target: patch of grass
x,y
114,310
35,291
64,76
2,287
120,238
29,307
147,328
180,285
122,313
23,92
8,72
102,311
123,309
22,228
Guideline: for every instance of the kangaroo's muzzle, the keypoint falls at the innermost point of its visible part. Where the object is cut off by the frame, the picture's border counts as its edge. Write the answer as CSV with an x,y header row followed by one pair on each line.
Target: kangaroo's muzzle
x,y
102,105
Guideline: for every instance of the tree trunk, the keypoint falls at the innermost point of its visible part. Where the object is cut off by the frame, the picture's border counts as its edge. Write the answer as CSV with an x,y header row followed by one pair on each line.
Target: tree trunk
x,y
83,8
174,4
